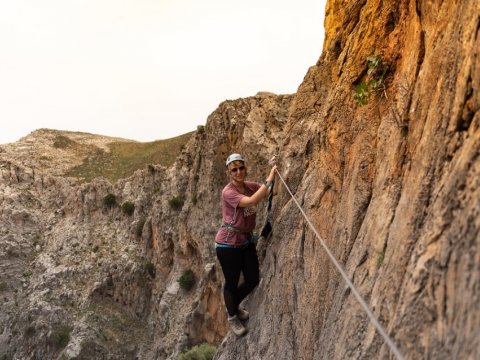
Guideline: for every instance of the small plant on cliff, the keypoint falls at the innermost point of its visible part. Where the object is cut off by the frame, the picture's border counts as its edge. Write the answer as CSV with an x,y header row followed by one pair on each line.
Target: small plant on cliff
x,y
60,336
362,94
380,258
150,269
377,70
375,81
176,202
187,280
29,331
204,351
128,208
110,200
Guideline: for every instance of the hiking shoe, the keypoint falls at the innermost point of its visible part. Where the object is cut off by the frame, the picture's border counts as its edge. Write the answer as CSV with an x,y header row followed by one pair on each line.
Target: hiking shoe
x,y
236,326
243,314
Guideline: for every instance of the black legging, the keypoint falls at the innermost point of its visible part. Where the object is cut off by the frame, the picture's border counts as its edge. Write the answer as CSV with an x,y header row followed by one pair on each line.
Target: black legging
x,y
234,261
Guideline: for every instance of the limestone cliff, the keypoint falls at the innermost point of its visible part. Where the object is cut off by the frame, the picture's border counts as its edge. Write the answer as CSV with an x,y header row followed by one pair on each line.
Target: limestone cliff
x,y
381,147
393,187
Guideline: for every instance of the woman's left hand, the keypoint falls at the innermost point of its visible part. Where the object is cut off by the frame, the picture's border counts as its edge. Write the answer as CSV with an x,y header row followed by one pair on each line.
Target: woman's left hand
x,y
272,173
273,160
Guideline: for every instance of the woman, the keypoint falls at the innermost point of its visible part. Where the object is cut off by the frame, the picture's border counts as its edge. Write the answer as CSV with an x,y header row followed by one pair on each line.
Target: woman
x,y
234,243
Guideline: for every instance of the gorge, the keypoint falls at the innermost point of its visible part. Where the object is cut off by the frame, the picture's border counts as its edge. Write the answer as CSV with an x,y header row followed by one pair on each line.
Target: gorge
x,y
380,145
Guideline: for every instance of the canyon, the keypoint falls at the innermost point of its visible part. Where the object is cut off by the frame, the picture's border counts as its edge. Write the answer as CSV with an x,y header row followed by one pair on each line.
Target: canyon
x,y
380,145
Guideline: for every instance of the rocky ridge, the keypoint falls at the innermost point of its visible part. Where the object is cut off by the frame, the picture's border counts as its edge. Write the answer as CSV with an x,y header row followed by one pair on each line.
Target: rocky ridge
x,y
56,151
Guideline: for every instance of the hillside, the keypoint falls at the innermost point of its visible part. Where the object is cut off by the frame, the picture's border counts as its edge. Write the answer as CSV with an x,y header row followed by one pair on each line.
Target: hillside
x,y
86,156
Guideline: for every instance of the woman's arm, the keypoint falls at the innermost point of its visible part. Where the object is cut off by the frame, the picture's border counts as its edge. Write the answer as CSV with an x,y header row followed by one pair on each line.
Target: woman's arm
x,y
274,161
260,194
275,185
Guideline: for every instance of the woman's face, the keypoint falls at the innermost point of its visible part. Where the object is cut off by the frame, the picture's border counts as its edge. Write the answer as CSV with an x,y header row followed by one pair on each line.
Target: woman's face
x,y
237,170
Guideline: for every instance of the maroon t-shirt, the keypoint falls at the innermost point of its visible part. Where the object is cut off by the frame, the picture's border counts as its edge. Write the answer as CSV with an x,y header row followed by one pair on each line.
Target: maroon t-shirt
x,y
240,218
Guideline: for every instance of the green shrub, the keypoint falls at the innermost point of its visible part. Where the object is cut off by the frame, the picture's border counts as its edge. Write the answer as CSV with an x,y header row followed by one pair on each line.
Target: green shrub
x,y
60,337
204,351
95,248
176,202
380,258
362,94
139,227
150,269
110,200
194,199
187,280
377,70
128,208
30,331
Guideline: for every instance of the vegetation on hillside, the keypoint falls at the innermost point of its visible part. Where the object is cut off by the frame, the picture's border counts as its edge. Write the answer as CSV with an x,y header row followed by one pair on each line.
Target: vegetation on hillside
x,y
187,280
124,158
203,351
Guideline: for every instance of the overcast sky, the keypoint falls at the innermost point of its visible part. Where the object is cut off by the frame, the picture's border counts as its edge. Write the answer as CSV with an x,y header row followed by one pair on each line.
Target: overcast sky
x,y
146,69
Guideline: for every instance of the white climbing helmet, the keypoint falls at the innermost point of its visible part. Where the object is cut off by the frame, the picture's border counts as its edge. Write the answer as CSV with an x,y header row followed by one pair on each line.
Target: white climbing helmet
x,y
234,157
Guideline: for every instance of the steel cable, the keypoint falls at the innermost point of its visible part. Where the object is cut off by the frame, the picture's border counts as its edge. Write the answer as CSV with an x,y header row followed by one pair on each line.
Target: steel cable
x,y
339,267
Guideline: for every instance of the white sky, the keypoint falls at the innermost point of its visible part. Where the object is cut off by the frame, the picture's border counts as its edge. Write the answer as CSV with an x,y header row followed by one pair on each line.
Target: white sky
x,y
146,69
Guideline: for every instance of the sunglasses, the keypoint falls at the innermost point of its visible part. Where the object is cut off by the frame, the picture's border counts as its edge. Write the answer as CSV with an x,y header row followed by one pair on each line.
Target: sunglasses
x,y
234,170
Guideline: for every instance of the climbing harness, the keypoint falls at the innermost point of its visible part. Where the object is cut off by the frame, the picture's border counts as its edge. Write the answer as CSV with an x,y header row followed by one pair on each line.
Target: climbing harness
x,y
339,267
229,225
252,238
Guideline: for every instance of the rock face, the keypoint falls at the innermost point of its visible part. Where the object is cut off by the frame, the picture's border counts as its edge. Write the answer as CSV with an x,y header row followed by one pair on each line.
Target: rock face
x,y
392,186
381,147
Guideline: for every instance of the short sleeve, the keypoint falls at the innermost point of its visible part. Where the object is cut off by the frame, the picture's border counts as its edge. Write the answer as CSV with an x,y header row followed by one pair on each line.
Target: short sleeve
x,y
232,197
